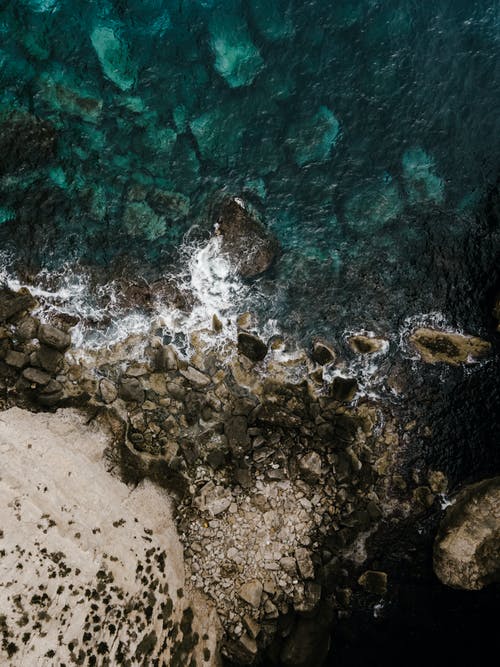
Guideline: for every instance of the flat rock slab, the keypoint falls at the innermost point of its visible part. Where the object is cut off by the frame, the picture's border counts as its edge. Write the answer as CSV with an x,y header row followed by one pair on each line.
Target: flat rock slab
x,y
451,348
80,549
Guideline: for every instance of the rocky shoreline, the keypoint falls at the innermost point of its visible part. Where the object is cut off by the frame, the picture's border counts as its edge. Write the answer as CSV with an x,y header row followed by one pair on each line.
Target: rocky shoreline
x,y
279,474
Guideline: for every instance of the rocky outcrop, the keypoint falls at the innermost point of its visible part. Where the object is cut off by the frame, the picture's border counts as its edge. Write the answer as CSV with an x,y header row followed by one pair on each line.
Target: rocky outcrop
x,y
80,584
451,348
250,246
467,547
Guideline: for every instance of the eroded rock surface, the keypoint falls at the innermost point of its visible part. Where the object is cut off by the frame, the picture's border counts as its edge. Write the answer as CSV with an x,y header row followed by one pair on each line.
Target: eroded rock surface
x,y
451,348
467,547
91,570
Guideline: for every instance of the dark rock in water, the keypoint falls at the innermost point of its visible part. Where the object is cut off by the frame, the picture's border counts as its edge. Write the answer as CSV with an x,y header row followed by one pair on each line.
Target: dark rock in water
x,y
251,346
343,389
53,337
248,243
49,358
374,582
26,142
365,344
322,353
131,389
14,303
467,547
308,642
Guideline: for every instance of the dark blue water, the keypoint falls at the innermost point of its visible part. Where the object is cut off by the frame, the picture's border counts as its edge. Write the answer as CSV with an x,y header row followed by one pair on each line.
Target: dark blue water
x,y
364,132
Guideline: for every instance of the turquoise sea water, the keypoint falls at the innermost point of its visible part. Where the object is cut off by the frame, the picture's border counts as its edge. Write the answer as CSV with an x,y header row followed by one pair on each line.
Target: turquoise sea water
x,y
364,132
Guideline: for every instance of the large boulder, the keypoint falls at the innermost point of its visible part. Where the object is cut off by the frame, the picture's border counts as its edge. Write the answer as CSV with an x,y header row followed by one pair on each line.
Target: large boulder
x,y
245,240
467,547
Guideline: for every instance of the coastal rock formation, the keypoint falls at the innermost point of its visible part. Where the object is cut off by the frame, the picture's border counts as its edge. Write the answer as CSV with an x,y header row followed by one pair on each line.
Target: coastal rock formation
x,y
92,570
451,348
26,142
467,547
250,246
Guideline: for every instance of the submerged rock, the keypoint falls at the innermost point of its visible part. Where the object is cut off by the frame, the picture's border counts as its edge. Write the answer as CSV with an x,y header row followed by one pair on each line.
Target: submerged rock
x,y
140,220
113,55
250,246
450,348
237,59
312,140
467,547
422,184
373,206
270,17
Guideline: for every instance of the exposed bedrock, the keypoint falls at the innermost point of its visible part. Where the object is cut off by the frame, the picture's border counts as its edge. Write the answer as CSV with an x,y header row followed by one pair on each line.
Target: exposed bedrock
x,y
467,547
250,246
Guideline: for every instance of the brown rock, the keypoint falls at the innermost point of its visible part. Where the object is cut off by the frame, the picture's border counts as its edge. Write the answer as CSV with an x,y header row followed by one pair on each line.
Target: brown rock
x,y
322,353
108,390
343,389
365,344
16,359
36,376
250,246
131,389
53,337
49,358
251,592
374,582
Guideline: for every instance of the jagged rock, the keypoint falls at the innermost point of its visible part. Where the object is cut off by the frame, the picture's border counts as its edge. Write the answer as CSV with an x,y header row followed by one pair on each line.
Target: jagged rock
x,y
251,592
50,359
450,348
12,303
236,432
53,337
195,377
108,390
343,389
252,626
467,546
374,582
131,389
26,142
217,325
310,466
322,352
250,246
36,376
16,359
251,346
166,358
366,344
304,563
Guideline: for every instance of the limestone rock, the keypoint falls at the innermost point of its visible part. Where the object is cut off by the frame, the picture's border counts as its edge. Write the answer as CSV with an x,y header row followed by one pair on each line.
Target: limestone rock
x,y
450,348
53,337
251,346
250,246
251,592
467,547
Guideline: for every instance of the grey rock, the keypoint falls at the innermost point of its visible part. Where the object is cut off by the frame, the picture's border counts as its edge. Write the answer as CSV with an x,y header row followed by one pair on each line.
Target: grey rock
x,y
310,466
235,430
36,376
251,346
304,563
12,304
131,389
176,390
27,328
108,390
51,394
49,358
251,592
289,565
53,337
195,377
16,359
